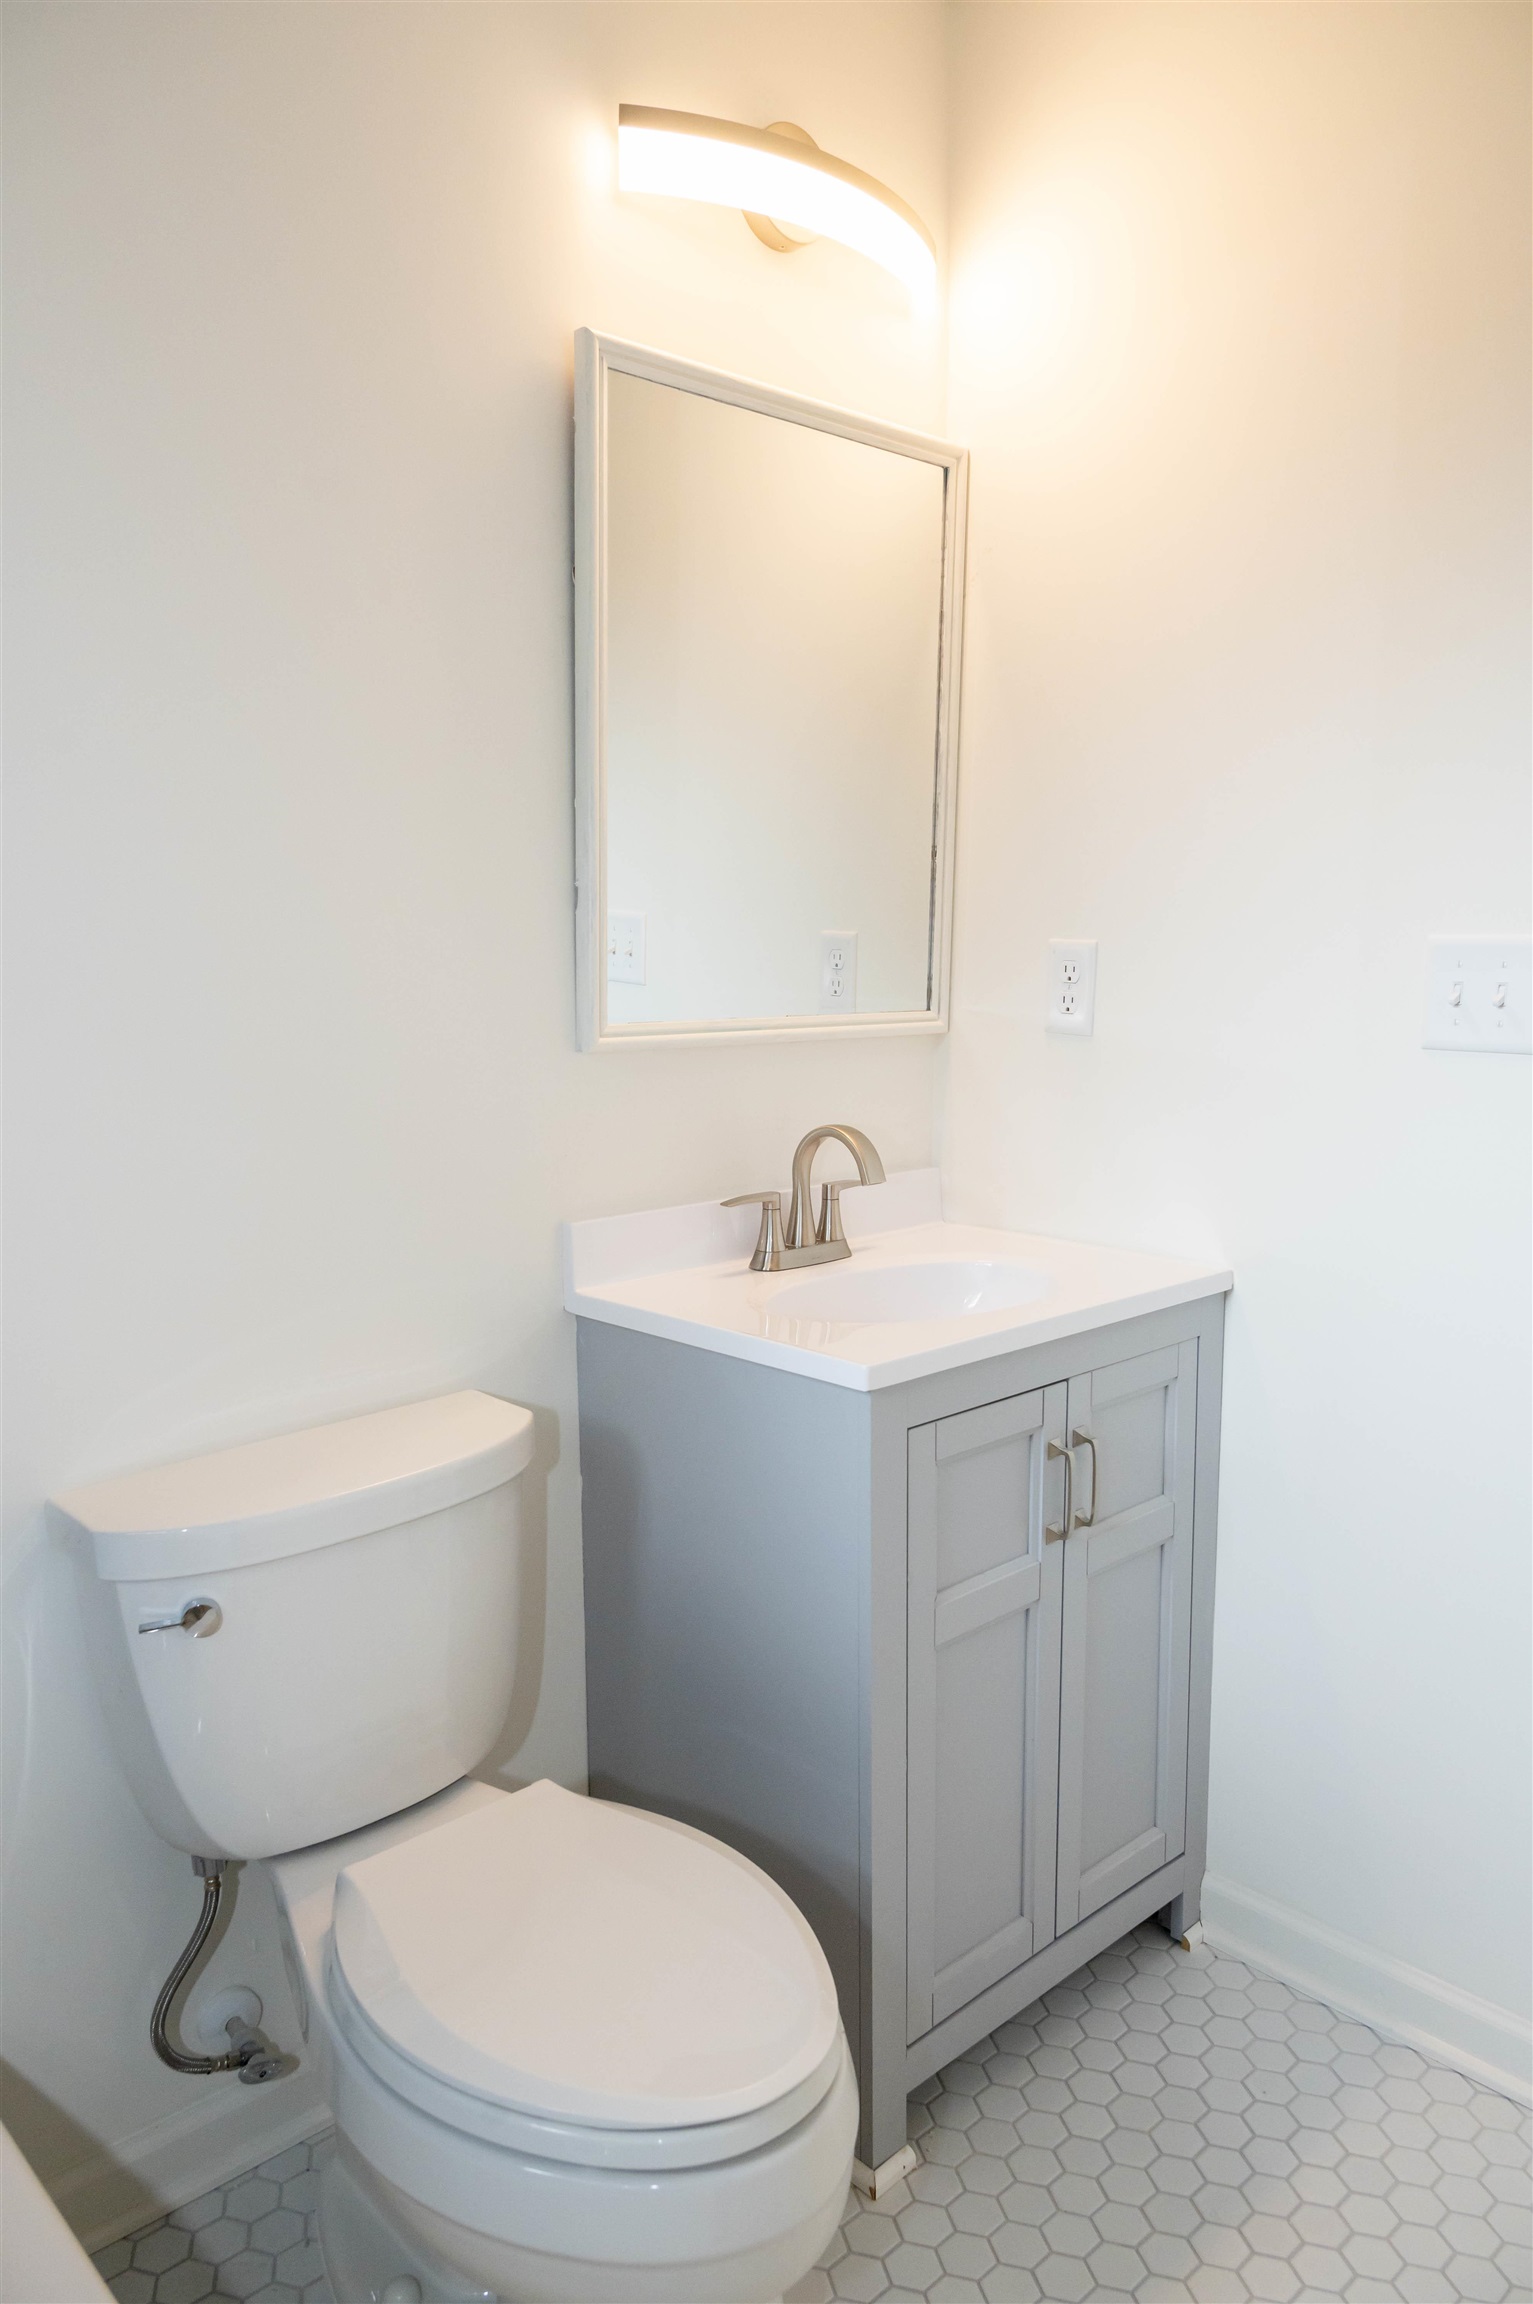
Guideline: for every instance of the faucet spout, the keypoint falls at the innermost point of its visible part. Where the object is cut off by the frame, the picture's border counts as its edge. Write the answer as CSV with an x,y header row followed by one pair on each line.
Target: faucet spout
x,y
806,1242
870,1170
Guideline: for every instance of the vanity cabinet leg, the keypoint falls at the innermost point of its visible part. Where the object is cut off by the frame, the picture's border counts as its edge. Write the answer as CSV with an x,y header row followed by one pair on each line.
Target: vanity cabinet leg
x,y
885,2119
1182,1917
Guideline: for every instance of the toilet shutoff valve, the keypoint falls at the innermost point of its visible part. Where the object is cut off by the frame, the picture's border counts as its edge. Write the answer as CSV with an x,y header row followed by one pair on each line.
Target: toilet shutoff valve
x,y
227,2024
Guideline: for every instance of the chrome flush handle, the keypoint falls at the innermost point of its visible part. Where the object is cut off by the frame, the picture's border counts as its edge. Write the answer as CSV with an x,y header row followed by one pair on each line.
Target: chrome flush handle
x,y
199,1617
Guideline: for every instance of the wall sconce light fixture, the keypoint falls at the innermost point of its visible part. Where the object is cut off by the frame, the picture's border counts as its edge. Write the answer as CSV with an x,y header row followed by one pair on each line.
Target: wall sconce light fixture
x,y
781,179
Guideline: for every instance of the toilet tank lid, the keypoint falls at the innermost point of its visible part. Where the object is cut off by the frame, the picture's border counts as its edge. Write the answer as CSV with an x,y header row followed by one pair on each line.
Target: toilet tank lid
x,y
272,1498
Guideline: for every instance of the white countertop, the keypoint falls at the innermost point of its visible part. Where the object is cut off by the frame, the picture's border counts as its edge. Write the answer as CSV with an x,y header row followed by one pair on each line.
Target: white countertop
x,y
684,1273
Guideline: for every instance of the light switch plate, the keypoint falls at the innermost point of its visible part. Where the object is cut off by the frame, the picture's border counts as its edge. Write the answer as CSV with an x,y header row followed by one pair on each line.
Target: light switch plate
x,y
838,970
1072,985
625,947
1480,994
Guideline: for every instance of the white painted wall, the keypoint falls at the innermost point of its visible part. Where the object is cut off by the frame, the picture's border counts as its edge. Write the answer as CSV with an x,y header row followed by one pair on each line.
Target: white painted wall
x,y
1239,341
295,1104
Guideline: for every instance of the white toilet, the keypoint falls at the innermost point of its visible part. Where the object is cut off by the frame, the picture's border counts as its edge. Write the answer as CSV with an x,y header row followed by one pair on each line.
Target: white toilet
x,y
574,2051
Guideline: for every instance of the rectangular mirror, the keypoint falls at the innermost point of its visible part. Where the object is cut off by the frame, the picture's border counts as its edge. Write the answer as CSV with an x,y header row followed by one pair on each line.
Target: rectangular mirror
x,y
768,605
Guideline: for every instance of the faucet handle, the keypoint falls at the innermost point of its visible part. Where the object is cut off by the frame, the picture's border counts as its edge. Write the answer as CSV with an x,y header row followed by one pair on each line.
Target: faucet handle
x,y
829,1227
768,1252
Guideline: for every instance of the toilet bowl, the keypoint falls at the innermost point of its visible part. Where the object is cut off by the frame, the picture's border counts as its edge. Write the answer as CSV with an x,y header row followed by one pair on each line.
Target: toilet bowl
x,y
574,2051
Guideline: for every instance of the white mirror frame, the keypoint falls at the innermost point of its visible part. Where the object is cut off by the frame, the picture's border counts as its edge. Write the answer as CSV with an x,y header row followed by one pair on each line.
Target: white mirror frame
x,y
596,357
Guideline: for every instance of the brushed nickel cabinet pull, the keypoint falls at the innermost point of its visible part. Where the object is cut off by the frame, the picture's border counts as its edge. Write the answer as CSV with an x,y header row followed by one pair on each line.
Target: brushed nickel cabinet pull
x,y
1079,1439
1064,1456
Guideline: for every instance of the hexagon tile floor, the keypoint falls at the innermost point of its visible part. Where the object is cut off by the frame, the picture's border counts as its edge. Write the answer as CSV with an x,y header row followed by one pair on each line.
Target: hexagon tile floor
x,y
1167,2125
255,2239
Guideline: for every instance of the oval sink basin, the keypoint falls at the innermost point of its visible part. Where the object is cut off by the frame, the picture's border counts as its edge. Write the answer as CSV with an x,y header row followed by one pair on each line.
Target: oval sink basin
x,y
932,1291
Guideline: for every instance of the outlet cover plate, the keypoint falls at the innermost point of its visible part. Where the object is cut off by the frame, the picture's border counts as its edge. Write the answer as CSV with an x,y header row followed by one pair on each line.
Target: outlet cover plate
x,y
838,971
1480,994
1072,985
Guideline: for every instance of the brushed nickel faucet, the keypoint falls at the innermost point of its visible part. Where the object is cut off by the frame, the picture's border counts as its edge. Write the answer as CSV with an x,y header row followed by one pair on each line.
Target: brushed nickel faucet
x,y
826,1241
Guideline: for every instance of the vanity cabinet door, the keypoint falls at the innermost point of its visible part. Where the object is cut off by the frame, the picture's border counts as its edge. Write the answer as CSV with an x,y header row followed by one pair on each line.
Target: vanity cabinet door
x,y
1126,1644
983,1663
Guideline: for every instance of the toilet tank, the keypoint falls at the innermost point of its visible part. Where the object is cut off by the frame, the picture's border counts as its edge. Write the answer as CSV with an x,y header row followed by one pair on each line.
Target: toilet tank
x,y
359,1583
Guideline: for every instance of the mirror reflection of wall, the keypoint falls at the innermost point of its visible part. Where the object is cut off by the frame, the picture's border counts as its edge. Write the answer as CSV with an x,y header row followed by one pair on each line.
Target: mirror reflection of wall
x,y
773,629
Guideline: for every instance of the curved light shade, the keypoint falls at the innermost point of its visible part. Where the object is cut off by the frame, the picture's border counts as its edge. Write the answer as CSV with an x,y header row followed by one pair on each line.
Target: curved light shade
x,y
691,157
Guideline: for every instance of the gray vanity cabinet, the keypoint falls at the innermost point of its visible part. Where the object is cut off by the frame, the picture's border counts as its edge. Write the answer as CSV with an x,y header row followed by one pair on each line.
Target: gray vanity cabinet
x,y
982,1673
1047,1682
1125,1659
832,1626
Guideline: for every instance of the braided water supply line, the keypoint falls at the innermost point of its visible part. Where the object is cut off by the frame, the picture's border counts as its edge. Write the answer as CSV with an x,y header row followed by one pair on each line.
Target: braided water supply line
x,y
248,2055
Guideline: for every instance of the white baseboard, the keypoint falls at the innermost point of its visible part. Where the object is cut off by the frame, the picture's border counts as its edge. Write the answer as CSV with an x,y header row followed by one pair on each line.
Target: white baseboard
x,y
1489,2044
184,2154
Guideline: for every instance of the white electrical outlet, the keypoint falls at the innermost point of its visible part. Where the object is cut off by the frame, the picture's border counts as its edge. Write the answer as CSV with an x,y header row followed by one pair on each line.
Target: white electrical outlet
x,y
1480,994
838,970
1072,985
625,947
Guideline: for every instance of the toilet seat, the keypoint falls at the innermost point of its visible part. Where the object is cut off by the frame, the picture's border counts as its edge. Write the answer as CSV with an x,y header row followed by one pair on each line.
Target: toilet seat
x,y
584,1982
707,2144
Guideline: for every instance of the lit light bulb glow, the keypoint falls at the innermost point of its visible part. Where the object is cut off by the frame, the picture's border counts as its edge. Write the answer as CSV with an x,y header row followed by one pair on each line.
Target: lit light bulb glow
x,y
687,156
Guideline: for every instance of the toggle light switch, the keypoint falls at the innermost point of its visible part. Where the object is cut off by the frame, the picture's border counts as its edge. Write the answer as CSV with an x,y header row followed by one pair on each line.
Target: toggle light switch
x,y
625,948
1480,994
